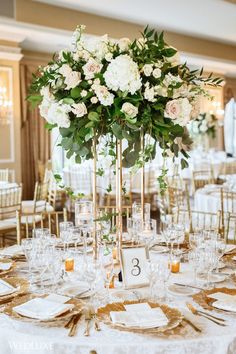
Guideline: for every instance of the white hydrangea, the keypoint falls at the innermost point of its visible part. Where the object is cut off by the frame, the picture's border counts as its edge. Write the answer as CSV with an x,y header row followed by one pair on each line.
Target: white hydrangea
x,y
129,109
58,113
122,74
179,110
72,80
79,109
104,96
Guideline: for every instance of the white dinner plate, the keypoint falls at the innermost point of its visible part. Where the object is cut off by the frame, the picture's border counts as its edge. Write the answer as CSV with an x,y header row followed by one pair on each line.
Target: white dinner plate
x,y
181,290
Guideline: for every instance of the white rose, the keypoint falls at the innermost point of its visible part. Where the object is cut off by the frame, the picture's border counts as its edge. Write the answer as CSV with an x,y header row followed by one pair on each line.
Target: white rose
x,y
156,73
161,91
149,94
91,68
147,69
129,109
124,44
83,93
65,70
123,74
79,109
58,113
108,56
72,80
94,100
179,110
104,96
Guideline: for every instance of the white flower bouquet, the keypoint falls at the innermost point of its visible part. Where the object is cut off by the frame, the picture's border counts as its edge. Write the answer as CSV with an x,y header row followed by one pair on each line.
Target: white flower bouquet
x,y
113,90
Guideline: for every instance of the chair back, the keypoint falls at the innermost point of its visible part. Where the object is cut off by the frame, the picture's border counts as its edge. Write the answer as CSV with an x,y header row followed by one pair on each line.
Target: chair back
x,y
27,223
10,201
198,220
201,178
230,228
4,175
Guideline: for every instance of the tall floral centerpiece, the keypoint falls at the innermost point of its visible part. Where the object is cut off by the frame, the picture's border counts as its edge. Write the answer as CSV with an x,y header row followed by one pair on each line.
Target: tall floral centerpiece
x,y
104,89
202,128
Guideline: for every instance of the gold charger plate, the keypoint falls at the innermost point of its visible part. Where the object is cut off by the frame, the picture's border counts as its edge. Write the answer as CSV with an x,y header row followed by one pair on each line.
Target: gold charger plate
x,y
9,310
5,260
205,301
20,283
174,316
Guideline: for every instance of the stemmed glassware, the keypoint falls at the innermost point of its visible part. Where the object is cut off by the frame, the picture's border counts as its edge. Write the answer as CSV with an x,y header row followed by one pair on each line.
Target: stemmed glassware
x,y
84,220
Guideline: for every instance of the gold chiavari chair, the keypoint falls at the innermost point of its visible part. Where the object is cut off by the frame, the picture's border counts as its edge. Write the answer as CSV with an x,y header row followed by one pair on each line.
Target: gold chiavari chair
x,y
4,175
198,220
229,168
230,227
227,205
201,178
27,223
40,201
10,202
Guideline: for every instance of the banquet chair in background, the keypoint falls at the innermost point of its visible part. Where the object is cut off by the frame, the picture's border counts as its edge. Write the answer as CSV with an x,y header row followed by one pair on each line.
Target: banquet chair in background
x,y
10,202
201,178
40,202
198,220
229,168
227,205
4,175
230,228
27,223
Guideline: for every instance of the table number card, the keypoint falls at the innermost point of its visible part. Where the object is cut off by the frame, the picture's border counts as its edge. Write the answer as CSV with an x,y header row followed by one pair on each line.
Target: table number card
x,y
133,261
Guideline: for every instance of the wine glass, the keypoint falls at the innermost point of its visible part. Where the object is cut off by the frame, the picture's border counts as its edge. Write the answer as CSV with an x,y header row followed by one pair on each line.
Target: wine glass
x,y
150,269
148,231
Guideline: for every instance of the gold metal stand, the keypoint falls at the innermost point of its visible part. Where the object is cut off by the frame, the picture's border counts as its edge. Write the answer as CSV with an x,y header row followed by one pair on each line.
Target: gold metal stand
x,y
119,222
95,241
142,175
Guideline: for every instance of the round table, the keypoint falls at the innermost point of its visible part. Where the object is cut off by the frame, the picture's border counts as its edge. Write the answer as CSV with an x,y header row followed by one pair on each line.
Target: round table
x,y
18,337
209,199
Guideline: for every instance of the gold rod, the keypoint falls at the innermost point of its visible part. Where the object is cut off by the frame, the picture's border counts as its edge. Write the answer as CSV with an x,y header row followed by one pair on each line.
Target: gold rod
x,y
119,223
142,175
95,241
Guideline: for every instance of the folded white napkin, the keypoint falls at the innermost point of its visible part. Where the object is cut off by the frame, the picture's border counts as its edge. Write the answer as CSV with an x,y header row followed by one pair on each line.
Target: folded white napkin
x,y
140,316
224,301
5,266
11,251
75,288
42,309
6,288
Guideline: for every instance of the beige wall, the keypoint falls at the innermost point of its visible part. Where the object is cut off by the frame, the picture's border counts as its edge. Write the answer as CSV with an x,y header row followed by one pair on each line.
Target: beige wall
x,y
57,17
16,163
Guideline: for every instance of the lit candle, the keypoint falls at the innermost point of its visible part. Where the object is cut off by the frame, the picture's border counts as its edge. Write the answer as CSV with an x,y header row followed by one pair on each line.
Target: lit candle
x,y
175,266
114,253
69,265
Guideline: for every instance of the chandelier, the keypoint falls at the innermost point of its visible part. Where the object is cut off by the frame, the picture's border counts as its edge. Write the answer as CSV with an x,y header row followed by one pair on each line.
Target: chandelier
x,y
5,106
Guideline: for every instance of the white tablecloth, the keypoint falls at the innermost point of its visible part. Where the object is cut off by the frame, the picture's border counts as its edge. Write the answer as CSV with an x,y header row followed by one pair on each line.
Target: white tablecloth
x,y
23,338
209,200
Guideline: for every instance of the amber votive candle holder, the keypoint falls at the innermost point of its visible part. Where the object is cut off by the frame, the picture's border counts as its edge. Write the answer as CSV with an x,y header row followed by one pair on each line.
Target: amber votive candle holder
x,y
69,264
175,266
